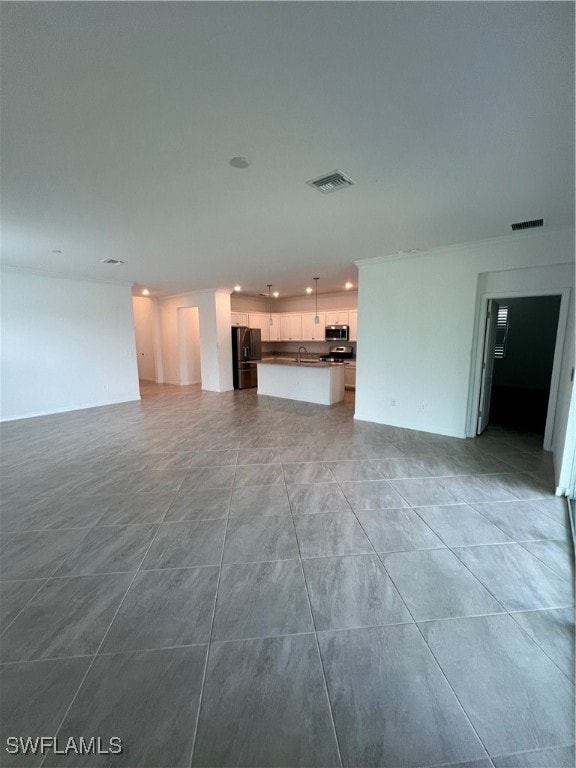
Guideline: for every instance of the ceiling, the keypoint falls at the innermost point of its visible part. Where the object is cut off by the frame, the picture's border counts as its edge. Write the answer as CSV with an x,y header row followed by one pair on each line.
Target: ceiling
x,y
119,121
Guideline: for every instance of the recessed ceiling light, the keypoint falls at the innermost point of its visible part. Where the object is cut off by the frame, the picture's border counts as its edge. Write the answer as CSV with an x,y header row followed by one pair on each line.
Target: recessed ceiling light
x,y
56,251
348,285
275,294
308,290
145,292
237,288
112,261
239,162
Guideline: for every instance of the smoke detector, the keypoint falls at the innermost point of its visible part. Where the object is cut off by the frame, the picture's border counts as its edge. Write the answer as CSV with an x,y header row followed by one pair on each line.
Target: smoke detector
x,y
331,182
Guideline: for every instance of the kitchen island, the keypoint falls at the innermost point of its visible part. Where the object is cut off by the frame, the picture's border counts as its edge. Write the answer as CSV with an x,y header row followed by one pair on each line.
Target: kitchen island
x,y
310,382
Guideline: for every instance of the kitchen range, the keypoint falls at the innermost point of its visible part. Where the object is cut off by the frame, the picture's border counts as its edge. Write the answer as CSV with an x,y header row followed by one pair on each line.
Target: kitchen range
x,y
338,354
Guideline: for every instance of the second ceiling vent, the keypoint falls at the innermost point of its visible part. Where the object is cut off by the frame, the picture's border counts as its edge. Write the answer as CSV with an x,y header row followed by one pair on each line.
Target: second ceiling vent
x,y
527,224
331,182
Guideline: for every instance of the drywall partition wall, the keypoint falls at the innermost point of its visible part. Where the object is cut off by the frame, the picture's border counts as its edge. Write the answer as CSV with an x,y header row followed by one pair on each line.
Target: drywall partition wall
x,y
145,346
304,303
66,344
240,303
417,319
343,300
189,345
215,337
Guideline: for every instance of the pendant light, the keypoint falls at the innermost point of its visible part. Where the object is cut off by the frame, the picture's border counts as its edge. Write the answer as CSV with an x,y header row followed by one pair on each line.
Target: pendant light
x,y
270,304
316,318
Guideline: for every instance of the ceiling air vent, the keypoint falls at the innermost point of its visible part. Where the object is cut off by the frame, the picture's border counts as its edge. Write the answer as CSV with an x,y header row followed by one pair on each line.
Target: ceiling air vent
x,y
112,261
331,182
527,224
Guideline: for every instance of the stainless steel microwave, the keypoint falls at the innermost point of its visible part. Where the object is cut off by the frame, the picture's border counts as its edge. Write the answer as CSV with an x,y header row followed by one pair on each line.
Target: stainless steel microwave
x,y
337,333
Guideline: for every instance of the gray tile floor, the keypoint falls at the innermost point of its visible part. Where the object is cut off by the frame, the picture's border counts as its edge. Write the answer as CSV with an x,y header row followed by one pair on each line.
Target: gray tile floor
x,y
231,580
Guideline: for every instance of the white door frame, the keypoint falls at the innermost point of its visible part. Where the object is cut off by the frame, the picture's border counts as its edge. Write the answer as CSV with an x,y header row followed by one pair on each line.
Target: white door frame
x,y
492,312
564,294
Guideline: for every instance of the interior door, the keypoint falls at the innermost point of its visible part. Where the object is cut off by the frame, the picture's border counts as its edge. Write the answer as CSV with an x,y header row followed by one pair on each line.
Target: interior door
x,y
487,366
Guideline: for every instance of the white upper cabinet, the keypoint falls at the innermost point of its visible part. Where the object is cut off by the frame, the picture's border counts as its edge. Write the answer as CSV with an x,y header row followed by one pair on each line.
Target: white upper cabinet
x,y
291,327
239,318
260,320
312,331
297,326
275,330
353,323
337,317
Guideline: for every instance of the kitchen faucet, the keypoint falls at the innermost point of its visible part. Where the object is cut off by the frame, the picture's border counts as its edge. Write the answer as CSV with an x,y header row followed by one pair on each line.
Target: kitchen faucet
x,y
300,350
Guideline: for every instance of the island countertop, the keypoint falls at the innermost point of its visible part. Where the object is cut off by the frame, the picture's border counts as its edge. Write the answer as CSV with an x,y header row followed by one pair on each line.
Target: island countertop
x,y
321,383
303,364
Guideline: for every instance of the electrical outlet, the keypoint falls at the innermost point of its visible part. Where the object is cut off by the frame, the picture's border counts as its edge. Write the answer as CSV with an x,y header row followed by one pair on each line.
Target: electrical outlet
x,y
393,403
421,407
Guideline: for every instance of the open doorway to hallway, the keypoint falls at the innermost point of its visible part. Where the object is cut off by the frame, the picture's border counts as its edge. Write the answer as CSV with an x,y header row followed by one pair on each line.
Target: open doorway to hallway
x,y
144,333
189,345
519,355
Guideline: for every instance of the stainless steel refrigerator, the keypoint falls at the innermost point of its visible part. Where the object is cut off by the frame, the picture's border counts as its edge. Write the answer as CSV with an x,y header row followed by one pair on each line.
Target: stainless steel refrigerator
x,y
246,348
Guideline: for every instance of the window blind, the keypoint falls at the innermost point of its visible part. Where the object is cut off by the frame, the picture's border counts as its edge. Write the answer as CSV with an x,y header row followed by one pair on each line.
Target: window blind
x,y
501,332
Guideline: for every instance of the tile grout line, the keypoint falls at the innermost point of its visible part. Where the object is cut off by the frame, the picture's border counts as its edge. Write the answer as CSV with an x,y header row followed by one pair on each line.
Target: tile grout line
x,y
326,688
440,668
544,651
210,640
486,587
423,638
95,655
40,587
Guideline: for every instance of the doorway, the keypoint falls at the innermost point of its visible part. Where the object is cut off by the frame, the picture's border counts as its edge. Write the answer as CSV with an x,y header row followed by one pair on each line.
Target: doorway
x,y
145,342
520,350
189,345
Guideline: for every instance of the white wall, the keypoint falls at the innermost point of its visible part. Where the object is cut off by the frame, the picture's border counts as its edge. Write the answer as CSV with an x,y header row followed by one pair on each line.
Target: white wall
x,y
189,344
215,337
66,344
144,327
340,300
417,319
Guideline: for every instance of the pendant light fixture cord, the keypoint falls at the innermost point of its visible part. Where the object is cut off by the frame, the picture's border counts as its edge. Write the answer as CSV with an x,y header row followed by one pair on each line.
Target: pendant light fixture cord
x,y
269,304
316,318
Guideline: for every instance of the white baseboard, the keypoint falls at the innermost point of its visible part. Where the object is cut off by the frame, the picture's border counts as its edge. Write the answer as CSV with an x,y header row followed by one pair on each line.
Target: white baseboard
x,y
417,427
84,406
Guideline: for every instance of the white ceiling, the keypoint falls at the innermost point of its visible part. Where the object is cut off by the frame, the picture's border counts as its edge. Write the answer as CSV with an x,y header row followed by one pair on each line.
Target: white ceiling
x,y
119,119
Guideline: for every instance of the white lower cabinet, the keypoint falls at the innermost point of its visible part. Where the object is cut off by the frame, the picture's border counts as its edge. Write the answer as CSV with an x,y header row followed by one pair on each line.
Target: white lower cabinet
x,y
350,377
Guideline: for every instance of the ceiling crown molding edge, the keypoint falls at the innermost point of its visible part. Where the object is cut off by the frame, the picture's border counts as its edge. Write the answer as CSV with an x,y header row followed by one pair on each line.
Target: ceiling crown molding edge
x,y
65,276
469,246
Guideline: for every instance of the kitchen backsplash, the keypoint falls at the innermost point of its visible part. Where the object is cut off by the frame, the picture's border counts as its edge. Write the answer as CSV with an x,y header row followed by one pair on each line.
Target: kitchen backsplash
x,y
313,347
